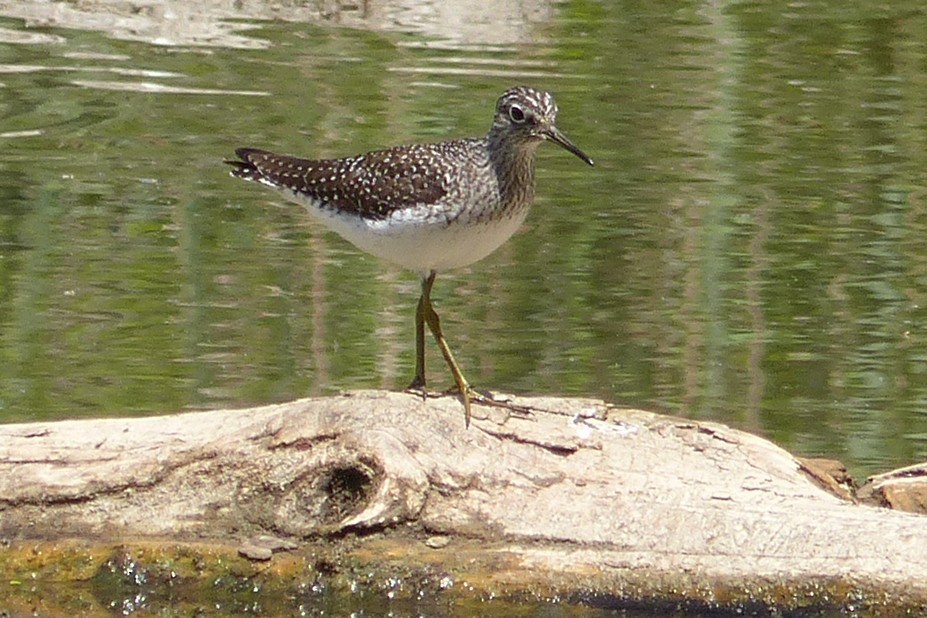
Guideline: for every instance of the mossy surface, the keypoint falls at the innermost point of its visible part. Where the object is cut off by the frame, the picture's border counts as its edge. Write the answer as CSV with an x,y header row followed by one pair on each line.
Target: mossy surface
x,y
378,574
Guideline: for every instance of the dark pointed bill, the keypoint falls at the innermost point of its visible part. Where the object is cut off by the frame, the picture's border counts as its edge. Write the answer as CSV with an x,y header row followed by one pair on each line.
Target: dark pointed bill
x,y
554,135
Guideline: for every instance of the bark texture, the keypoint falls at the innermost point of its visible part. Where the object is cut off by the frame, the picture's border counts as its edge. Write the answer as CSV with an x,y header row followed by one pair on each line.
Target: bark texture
x,y
562,487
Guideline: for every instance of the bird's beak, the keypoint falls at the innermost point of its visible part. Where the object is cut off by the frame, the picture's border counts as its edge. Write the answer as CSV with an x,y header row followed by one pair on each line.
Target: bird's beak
x,y
554,135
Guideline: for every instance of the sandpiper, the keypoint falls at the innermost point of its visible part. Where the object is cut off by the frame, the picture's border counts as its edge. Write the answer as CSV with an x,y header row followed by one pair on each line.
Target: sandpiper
x,y
426,207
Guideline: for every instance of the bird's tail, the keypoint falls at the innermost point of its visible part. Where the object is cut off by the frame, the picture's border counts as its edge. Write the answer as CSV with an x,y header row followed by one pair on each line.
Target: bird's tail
x,y
244,167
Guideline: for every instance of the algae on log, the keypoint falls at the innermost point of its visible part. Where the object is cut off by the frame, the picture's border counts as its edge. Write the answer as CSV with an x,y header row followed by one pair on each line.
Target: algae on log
x,y
568,490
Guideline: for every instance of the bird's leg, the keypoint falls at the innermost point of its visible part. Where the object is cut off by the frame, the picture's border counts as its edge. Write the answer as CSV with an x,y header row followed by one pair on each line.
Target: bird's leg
x,y
427,312
418,382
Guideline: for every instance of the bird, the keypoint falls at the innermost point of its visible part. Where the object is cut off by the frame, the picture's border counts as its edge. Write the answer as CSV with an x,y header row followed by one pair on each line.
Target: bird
x,y
427,207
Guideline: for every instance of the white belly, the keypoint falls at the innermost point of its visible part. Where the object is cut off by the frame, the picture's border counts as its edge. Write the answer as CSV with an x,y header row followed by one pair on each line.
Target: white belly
x,y
424,246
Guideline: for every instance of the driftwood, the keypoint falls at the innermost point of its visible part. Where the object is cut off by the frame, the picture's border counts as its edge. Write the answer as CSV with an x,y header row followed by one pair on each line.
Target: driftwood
x,y
576,497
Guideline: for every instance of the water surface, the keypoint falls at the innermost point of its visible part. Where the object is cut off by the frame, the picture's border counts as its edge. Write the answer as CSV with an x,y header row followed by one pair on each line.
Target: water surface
x,y
749,247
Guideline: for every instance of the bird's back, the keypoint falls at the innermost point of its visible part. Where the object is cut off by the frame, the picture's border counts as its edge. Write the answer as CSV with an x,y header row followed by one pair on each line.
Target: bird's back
x,y
429,182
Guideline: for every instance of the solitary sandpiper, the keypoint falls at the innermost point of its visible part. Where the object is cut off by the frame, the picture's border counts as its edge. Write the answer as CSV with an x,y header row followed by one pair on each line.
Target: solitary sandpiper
x,y
426,207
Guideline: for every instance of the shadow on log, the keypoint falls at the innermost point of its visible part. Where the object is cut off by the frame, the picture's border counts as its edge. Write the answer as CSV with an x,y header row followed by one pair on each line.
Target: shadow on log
x,y
541,496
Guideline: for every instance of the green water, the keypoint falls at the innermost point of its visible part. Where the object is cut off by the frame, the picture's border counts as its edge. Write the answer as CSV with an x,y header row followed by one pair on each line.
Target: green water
x,y
751,246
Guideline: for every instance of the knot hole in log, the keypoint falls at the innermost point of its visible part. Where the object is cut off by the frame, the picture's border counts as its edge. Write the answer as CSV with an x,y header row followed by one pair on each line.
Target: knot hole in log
x,y
318,500
345,491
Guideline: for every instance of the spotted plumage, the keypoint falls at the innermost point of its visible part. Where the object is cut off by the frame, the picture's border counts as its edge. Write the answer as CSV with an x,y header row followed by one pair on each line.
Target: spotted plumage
x,y
427,207
371,186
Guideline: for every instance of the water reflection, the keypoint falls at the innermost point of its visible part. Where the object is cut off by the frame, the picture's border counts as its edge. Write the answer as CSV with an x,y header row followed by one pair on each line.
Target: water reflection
x,y
749,247
452,24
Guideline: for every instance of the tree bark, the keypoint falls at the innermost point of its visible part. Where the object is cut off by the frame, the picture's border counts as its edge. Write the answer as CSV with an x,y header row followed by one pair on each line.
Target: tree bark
x,y
577,494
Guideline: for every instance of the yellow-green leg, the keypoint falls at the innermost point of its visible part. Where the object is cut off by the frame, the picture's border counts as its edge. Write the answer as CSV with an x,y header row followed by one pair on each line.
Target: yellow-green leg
x,y
425,314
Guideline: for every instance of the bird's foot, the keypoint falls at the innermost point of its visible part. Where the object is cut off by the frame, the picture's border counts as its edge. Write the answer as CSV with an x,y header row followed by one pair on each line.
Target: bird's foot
x,y
478,396
467,393
417,387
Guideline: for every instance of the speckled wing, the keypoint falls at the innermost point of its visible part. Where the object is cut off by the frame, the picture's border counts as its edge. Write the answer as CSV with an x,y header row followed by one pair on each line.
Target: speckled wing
x,y
371,186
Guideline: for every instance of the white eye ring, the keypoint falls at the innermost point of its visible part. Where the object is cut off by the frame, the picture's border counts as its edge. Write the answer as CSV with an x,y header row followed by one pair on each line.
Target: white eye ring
x,y
516,114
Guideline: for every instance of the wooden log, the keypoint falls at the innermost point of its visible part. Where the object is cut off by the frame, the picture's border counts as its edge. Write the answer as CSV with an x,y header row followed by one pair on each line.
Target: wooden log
x,y
904,489
578,496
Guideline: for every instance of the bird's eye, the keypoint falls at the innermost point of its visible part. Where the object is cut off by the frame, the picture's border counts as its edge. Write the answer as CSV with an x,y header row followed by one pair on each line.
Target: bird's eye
x,y
516,114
